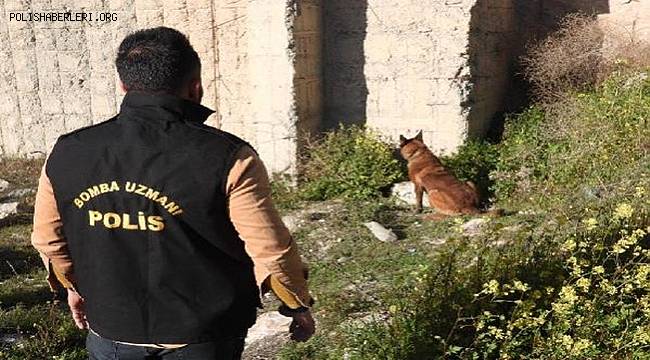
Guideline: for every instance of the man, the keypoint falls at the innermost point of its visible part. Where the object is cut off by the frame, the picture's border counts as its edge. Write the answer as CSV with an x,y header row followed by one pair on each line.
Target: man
x,y
161,228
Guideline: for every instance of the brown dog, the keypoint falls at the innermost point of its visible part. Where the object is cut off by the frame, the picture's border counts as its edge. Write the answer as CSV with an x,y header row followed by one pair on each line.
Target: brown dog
x,y
446,193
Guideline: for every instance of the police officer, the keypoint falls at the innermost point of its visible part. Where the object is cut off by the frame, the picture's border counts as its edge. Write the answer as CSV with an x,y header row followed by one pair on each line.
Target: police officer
x,y
161,228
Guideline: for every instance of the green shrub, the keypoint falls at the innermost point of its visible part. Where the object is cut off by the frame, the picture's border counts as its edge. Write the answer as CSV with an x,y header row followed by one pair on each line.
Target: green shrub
x,y
602,310
580,152
49,333
474,161
520,158
432,313
350,162
567,280
284,194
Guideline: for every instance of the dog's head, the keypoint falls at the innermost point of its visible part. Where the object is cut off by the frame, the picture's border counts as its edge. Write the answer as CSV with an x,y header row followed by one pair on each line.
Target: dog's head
x,y
408,147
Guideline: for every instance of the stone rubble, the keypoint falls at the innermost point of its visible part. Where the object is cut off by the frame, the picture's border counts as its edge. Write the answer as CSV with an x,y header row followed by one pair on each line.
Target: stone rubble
x,y
267,325
4,184
291,222
380,232
473,227
8,209
17,194
405,192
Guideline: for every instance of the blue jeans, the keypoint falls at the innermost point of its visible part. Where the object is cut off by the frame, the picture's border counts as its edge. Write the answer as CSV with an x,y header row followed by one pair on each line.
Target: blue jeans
x,y
105,349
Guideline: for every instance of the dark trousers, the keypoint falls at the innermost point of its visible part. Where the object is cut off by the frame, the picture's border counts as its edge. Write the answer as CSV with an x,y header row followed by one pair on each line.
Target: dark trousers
x,y
104,349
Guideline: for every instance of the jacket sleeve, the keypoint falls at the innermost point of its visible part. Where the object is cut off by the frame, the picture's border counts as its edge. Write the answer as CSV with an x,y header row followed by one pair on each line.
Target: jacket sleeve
x,y
48,238
267,240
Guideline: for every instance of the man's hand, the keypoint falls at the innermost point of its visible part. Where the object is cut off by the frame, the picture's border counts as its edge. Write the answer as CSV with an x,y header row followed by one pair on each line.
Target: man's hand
x,y
76,304
302,327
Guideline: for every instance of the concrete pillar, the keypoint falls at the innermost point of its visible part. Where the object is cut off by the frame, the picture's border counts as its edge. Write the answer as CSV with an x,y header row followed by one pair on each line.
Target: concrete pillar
x,y
284,78
407,66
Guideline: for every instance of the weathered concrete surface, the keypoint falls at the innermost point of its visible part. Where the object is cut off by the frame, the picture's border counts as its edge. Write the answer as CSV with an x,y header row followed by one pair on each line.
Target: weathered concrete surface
x,y
631,18
58,76
278,70
404,66
284,78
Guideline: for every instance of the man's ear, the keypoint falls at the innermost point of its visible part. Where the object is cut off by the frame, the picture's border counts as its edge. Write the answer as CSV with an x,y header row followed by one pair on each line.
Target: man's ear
x,y
195,90
419,136
123,87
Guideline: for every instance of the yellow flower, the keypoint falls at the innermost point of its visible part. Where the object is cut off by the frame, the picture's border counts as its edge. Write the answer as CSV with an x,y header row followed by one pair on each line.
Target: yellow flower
x,y
518,285
623,211
608,287
580,346
598,269
568,295
569,245
590,223
641,277
627,241
639,191
492,287
583,283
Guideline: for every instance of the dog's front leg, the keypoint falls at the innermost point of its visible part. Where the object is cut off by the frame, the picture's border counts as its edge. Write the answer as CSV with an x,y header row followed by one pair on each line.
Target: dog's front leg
x,y
419,191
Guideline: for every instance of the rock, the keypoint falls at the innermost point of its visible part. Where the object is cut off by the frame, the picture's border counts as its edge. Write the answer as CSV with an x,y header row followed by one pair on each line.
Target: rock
x,y
591,193
512,228
380,232
8,209
291,222
268,324
473,227
363,319
317,216
635,80
11,339
405,192
4,184
17,194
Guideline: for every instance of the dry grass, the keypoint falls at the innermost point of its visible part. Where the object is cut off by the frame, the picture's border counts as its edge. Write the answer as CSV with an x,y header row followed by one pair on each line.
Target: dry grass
x,y
20,172
580,55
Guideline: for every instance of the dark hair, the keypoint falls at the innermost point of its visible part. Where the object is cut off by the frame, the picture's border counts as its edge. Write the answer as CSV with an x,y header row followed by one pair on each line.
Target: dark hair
x,y
160,59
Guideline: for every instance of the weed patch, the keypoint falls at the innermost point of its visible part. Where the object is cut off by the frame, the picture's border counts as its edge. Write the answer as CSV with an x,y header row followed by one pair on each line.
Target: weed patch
x,y
350,162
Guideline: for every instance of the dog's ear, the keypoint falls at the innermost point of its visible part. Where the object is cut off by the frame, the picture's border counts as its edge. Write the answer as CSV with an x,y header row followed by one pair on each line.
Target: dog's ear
x,y
402,139
419,136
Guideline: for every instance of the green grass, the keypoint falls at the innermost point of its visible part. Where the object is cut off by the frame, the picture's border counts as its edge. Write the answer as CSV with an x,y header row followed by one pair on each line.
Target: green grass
x,y
20,172
558,166
29,312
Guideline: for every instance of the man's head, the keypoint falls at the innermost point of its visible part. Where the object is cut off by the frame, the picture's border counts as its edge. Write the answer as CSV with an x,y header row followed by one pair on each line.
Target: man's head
x,y
160,60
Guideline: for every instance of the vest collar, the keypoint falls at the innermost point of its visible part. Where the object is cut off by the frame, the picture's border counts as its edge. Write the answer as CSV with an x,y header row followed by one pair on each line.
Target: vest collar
x,y
165,106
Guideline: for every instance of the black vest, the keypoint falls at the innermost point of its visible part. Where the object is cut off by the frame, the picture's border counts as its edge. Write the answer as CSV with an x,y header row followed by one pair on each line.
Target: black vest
x,y
142,199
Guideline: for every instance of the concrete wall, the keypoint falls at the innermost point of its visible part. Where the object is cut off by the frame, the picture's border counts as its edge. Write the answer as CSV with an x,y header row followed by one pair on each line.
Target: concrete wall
x,y
628,17
279,70
417,69
401,66
59,76
444,67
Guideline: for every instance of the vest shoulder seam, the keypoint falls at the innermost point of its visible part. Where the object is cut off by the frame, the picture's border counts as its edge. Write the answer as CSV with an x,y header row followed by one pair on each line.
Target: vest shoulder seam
x,y
88,127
